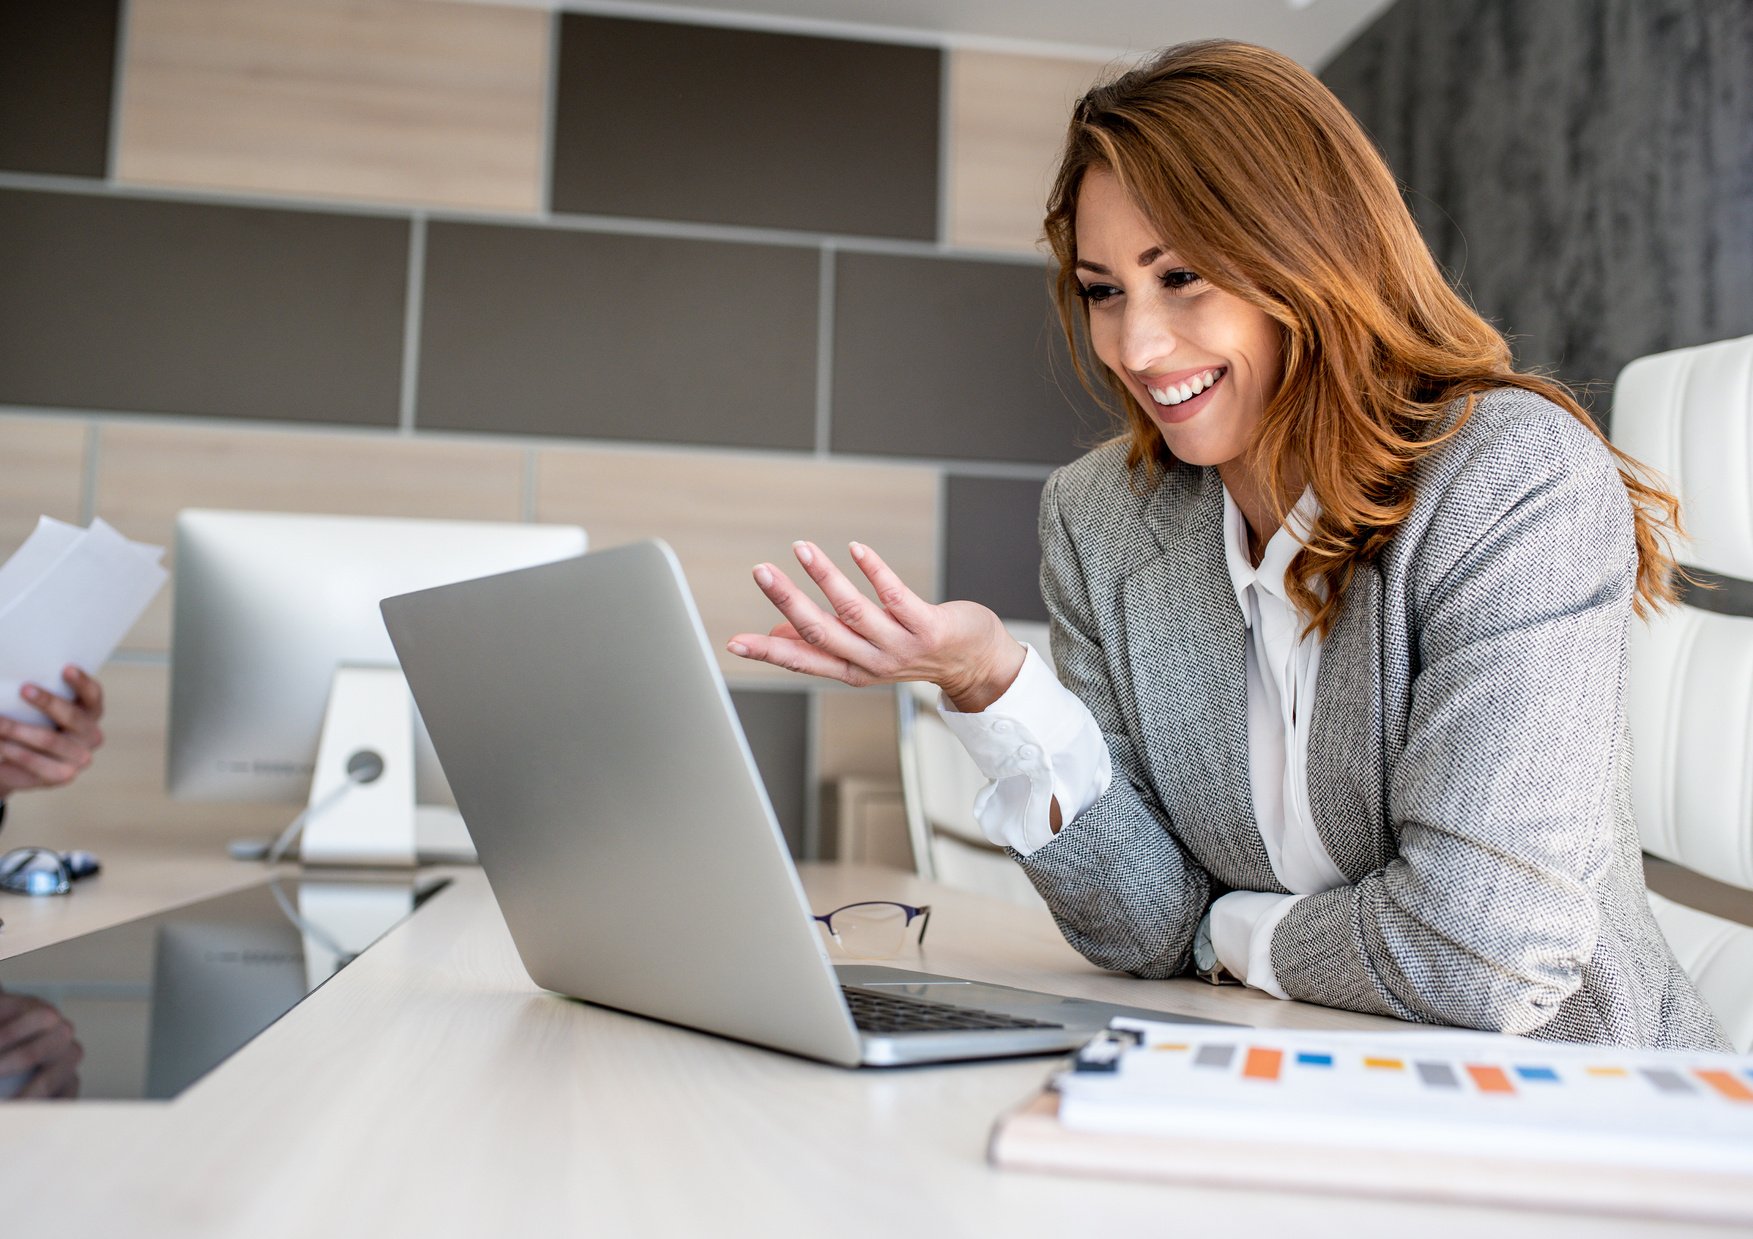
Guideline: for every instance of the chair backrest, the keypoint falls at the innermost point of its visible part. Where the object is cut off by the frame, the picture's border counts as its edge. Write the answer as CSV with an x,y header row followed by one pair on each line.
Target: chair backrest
x,y
1688,415
939,782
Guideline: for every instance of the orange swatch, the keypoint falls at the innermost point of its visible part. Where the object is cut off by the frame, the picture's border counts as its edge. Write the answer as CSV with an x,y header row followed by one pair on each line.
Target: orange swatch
x,y
1262,1064
1725,1084
1490,1079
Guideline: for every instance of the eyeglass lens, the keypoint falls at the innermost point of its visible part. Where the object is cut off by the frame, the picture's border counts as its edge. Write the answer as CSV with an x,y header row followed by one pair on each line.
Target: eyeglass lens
x,y
868,930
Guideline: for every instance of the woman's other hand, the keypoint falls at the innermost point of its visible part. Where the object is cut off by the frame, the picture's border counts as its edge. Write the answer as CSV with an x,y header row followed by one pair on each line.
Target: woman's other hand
x,y
36,756
959,646
37,1048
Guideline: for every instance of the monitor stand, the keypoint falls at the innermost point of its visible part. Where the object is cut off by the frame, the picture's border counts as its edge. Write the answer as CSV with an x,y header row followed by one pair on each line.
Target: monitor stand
x,y
362,809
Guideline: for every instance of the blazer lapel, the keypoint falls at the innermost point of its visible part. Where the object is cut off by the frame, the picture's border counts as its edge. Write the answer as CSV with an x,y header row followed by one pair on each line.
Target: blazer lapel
x,y
1345,735
1184,642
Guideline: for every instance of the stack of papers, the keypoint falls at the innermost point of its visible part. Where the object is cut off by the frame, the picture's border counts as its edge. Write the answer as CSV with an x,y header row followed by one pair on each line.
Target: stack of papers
x,y
68,596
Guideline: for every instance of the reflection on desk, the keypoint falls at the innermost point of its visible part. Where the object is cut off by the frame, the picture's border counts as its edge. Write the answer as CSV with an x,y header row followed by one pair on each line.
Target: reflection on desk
x,y
160,1001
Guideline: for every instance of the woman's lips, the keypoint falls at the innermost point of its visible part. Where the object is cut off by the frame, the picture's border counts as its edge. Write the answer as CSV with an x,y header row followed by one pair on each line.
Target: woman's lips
x,y
1172,414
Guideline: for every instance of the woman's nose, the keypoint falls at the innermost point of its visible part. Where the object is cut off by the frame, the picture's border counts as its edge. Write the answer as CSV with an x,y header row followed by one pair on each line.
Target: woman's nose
x,y
1146,341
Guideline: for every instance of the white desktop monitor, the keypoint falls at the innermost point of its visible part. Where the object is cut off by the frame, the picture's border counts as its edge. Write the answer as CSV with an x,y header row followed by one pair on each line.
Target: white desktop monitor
x,y
268,606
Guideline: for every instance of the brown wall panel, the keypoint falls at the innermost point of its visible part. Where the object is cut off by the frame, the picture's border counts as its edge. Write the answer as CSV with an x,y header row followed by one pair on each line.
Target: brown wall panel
x,y
57,61
609,336
954,358
45,474
177,307
393,100
746,127
1007,121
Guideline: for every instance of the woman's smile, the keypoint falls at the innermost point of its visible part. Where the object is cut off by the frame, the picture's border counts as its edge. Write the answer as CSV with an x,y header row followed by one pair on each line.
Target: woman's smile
x,y
1177,397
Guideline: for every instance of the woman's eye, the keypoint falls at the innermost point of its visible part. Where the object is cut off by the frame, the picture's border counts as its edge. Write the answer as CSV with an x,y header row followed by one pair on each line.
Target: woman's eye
x,y
1179,278
1095,294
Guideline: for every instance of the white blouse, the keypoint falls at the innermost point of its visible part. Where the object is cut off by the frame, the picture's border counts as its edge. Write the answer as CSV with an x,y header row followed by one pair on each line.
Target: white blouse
x,y
1039,742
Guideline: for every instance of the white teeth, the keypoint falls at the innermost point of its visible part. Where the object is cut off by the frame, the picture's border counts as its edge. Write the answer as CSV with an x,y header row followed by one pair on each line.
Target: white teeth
x,y
1177,393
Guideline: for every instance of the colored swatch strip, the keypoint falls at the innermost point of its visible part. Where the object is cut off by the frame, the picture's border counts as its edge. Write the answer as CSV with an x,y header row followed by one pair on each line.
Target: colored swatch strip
x,y
1266,1063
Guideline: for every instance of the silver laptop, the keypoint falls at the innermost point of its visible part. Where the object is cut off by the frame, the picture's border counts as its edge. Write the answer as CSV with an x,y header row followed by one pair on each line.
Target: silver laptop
x,y
582,722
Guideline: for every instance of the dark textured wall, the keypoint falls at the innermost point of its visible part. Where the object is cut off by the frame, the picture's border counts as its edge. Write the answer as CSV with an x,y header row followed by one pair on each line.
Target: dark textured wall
x,y
1583,167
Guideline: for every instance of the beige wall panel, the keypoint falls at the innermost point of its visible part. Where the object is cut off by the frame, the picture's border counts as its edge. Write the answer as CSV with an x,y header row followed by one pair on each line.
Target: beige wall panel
x,y
1007,117
125,784
387,100
723,514
45,474
856,734
147,474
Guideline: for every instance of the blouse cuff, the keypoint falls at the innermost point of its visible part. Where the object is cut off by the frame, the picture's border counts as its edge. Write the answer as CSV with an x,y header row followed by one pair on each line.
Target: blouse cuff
x,y
1241,933
1036,744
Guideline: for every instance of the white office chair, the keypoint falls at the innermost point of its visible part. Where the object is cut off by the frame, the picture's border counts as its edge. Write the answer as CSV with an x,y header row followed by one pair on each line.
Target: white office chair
x,y
939,782
1689,415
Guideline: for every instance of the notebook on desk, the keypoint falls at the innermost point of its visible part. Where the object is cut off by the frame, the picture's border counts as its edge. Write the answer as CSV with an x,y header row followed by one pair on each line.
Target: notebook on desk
x,y
583,725
1432,1114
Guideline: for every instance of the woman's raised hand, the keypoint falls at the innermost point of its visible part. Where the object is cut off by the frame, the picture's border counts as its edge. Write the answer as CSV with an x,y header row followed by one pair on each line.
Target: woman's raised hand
x,y
959,646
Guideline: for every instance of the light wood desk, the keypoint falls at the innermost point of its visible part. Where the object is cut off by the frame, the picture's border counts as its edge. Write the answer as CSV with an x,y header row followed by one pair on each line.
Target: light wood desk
x,y
430,1090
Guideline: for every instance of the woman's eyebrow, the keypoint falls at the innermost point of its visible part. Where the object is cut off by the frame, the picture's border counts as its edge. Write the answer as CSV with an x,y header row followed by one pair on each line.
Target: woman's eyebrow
x,y
1144,260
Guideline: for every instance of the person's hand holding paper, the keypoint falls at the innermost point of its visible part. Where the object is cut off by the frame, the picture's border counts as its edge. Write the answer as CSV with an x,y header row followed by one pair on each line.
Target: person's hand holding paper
x,y
32,755
67,598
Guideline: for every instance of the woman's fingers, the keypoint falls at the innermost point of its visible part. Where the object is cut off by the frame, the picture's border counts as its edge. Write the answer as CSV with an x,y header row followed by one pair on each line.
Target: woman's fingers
x,y
791,654
851,608
908,609
814,626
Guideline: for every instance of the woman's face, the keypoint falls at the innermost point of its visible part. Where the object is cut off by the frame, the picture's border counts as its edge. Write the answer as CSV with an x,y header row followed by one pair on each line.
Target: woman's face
x,y
1202,362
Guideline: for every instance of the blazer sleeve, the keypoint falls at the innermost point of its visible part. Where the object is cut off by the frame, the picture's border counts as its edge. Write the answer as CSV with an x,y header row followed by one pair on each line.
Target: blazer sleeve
x,y
1122,889
1502,798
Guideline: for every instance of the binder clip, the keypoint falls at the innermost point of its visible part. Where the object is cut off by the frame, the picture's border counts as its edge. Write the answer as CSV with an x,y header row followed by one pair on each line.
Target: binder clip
x,y
1103,1051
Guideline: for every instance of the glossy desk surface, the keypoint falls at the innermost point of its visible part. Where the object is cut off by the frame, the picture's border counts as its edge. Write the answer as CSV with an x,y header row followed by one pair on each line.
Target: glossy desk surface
x,y
429,1089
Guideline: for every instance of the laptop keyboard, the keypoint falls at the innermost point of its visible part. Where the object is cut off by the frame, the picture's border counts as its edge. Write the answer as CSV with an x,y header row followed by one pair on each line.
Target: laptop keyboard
x,y
876,1011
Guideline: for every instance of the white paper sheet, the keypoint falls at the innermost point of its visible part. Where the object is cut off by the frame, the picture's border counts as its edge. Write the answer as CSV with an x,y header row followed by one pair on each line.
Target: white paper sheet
x,y
69,595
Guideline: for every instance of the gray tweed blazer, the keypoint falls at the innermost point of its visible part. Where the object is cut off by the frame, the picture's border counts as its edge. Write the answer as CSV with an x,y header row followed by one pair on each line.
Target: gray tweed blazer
x,y
1468,758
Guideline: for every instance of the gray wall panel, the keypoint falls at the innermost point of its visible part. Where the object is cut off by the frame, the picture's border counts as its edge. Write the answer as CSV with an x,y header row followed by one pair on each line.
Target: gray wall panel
x,y
56,63
655,339
777,726
178,307
1584,166
953,358
746,127
992,546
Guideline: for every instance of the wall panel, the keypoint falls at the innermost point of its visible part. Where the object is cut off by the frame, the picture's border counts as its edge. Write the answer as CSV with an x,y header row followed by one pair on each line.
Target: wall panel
x,y
149,306
393,100
45,474
610,336
746,127
992,547
56,65
952,358
1007,120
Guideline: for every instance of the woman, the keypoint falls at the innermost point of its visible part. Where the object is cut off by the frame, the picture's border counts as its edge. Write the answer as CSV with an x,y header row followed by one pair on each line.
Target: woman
x,y
1342,615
